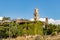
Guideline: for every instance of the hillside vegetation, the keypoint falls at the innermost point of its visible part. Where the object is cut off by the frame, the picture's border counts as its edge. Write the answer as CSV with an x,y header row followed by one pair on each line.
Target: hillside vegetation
x,y
13,29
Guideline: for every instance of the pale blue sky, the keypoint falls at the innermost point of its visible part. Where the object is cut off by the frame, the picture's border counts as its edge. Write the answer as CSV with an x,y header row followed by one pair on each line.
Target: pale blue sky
x,y
25,8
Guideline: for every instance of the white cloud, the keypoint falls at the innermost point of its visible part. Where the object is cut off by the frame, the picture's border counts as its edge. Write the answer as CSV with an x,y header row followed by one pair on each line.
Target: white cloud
x,y
57,21
42,19
31,19
49,20
1,18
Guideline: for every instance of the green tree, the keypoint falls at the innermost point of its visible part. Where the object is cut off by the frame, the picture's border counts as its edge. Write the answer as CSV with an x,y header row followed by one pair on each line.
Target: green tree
x,y
6,18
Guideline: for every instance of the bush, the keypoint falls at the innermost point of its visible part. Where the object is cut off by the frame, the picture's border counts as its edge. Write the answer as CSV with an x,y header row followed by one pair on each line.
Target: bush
x,y
54,33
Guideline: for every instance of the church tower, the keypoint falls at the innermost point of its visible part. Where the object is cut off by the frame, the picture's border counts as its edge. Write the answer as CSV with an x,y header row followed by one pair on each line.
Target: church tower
x,y
36,15
46,23
46,20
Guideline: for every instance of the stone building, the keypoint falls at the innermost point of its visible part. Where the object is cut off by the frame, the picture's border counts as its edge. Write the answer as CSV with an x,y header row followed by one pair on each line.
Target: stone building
x,y
36,15
21,20
46,23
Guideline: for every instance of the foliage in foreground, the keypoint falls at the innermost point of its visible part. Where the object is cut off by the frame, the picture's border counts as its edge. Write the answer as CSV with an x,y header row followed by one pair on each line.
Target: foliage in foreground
x,y
18,29
29,28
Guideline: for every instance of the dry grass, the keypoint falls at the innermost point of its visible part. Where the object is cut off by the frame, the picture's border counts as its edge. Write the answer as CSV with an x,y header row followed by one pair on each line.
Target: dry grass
x,y
34,37
20,38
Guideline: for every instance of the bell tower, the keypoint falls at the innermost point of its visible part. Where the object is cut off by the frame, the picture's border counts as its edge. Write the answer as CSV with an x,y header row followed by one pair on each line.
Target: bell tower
x,y
46,23
36,15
